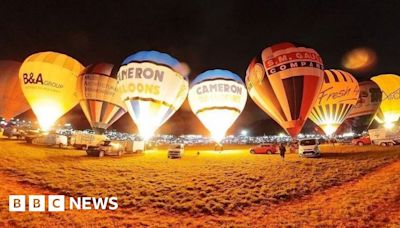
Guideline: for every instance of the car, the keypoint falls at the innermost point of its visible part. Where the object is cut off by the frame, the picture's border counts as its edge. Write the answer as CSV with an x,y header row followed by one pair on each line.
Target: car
x,y
107,147
264,149
309,148
176,151
361,141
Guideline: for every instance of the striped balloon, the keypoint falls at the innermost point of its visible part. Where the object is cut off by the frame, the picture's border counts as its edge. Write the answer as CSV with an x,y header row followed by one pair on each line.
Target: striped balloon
x,y
98,96
12,100
337,97
48,81
285,83
217,97
153,86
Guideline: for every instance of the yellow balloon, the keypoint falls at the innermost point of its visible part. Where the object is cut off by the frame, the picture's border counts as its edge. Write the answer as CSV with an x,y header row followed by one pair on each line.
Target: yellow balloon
x,y
337,97
390,105
48,81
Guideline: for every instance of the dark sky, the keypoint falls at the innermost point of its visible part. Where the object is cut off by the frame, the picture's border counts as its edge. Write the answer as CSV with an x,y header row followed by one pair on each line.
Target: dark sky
x,y
204,33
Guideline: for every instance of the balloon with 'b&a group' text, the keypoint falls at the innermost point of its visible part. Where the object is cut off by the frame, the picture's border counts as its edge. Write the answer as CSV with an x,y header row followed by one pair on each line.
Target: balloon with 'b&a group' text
x,y
48,81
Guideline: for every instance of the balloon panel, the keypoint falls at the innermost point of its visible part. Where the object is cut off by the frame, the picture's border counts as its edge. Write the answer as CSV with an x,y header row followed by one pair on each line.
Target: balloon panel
x,y
98,95
217,97
48,81
390,105
338,95
12,100
285,84
368,101
152,91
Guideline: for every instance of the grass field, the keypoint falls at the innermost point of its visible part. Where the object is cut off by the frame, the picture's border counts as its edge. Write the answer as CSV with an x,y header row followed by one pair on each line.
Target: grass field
x,y
212,183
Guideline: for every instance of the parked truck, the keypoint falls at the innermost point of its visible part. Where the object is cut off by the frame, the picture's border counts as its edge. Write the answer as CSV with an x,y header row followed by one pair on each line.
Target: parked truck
x,y
385,137
115,148
82,140
14,132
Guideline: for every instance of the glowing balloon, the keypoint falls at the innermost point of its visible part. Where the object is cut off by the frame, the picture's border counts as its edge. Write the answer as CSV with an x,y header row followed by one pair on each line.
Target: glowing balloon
x,y
359,59
363,112
48,81
379,117
12,101
98,96
337,97
390,105
286,84
153,86
217,97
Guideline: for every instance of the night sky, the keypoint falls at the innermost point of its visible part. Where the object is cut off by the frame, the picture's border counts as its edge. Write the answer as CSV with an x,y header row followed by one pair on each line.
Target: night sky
x,y
205,34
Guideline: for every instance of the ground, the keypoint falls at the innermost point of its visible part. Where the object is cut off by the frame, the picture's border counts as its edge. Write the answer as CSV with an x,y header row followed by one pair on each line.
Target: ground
x,y
348,186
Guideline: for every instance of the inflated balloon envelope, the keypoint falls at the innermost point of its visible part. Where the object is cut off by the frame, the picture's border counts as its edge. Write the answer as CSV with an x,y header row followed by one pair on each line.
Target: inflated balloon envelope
x,y
153,86
48,81
217,97
285,83
369,100
390,105
12,100
337,97
98,96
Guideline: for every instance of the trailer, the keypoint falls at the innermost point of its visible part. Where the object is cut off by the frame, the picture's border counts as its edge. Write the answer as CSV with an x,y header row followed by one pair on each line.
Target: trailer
x,y
385,137
131,146
51,139
82,140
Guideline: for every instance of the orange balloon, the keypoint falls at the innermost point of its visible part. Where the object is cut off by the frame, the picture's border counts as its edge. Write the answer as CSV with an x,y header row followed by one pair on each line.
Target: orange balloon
x,y
12,100
286,83
359,59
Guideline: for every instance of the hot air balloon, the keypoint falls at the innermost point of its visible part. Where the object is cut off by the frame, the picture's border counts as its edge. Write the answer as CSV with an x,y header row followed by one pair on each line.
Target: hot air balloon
x,y
12,100
363,112
359,59
153,86
390,105
98,96
48,81
217,97
337,97
286,83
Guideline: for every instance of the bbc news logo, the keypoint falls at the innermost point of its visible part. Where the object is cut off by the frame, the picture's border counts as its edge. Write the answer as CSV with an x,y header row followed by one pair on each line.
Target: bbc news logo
x,y
56,203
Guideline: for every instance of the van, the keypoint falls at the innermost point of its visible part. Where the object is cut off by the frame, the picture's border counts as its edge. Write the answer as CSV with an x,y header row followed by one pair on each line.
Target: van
x,y
176,151
51,139
309,148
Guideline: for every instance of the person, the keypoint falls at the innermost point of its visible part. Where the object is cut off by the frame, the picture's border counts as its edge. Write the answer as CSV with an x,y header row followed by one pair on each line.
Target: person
x,y
282,150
